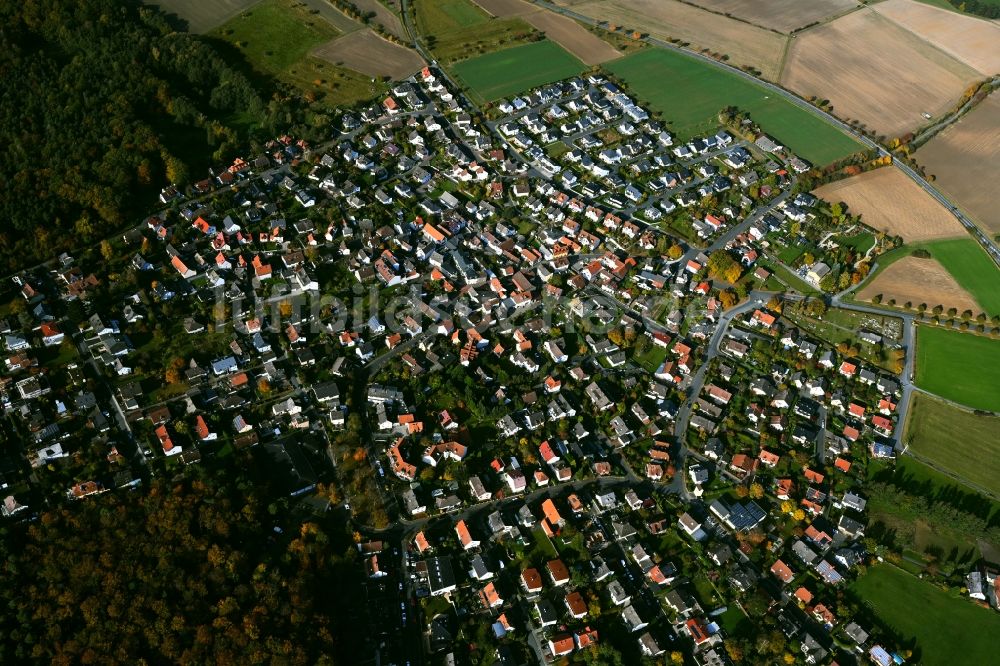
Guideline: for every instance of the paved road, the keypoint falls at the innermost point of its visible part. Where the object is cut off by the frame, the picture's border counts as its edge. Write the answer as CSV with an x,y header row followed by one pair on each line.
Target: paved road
x,y
990,246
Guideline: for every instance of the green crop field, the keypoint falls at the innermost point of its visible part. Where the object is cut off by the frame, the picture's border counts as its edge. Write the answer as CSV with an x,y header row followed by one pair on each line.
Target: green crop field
x,y
959,366
957,440
436,16
938,620
690,93
968,263
515,70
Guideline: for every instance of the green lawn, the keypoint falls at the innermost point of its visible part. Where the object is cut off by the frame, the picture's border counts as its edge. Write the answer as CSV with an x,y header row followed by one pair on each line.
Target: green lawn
x,y
968,263
959,366
515,70
860,243
938,620
957,440
652,358
690,93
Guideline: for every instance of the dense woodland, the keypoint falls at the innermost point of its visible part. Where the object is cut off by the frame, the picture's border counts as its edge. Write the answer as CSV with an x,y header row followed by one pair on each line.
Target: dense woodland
x,y
987,8
102,102
183,572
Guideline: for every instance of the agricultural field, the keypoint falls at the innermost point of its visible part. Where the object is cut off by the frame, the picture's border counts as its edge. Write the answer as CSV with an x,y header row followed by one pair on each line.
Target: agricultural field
x,y
506,8
970,40
781,15
454,30
585,45
333,16
968,262
874,71
277,36
203,16
944,619
966,155
915,280
690,93
366,52
959,366
889,201
437,16
956,440
512,71
744,44
564,31
388,20
274,35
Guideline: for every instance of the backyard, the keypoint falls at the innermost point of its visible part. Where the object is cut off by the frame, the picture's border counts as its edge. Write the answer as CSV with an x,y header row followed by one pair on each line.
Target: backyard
x,y
690,93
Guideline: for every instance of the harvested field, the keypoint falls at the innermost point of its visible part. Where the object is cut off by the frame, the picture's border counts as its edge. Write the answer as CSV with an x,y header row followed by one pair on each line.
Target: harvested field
x,y
917,281
567,33
781,15
388,20
745,44
364,51
889,201
874,71
970,40
966,156
203,16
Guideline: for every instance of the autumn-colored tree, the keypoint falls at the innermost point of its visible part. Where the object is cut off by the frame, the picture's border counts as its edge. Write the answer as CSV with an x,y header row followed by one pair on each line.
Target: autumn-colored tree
x,y
799,515
727,298
263,386
756,491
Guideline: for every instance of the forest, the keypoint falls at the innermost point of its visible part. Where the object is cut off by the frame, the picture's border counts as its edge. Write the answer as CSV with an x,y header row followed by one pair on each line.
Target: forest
x,y
188,571
102,103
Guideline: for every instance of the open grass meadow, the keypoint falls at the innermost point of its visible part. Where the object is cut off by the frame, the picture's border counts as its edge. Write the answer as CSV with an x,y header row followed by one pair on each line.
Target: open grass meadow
x,y
505,73
938,620
690,93
968,263
957,440
434,16
454,30
277,36
960,367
